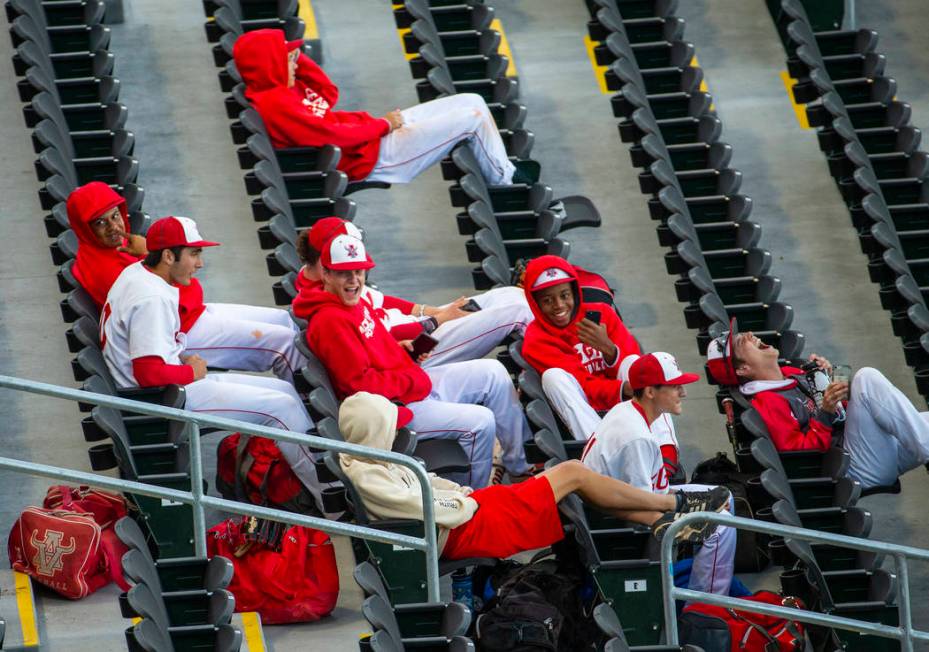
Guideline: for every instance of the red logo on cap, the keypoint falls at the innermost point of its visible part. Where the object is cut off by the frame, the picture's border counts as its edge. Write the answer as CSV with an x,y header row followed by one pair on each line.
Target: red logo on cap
x,y
551,273
351,251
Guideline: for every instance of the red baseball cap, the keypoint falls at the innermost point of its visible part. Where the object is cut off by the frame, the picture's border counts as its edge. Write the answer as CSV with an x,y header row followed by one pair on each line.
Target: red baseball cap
x,y
293,45
658,369
175,232
329,227
719,356
551,276
344,252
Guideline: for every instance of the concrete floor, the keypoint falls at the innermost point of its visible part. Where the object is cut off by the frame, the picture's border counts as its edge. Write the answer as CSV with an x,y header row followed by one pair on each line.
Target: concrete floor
x,y
188,167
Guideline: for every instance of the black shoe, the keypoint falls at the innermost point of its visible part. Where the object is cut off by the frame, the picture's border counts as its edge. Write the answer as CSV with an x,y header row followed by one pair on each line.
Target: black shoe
x,y
714,500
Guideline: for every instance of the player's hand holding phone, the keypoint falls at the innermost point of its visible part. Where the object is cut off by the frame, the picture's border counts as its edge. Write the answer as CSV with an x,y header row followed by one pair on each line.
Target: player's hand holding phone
x,y
593,334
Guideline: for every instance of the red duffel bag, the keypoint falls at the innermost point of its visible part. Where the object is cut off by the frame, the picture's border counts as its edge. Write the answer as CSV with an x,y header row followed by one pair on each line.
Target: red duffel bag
x,y
69,544
293,580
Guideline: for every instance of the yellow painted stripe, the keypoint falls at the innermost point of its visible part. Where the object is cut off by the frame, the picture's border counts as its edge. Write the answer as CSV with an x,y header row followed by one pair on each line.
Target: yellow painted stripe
x,y
401,33
599,71
799,109
136,621
504,48
305,11
703,87
252,634
25,604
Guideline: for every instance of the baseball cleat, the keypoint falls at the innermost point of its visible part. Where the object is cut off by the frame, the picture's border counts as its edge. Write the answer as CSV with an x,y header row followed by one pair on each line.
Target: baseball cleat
x,y
714,500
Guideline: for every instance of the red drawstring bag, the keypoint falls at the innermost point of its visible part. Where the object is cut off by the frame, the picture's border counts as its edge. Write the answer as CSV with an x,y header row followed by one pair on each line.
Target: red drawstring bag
x,y
297,583
69,544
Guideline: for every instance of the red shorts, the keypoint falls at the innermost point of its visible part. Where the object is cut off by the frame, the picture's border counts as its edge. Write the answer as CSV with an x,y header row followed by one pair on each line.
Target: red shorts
x,y
511,518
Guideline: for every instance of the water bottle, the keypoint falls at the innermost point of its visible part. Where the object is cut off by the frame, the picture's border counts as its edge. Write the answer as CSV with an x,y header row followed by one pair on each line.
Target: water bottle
x,y
461,588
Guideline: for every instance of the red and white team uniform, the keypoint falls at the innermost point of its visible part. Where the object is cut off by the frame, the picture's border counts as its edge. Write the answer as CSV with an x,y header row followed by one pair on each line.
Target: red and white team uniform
x,y
885,436
503,310
360,355
625,447
227,336
304,116
142,344
575,377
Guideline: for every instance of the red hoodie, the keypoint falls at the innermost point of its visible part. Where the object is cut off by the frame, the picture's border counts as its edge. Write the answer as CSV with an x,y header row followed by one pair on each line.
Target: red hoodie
x,y
302,115
357,351
545,346
97,267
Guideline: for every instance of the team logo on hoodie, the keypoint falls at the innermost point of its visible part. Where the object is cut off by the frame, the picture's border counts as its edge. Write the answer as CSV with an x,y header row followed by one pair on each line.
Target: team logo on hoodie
x,y
315,103
590,357
366,327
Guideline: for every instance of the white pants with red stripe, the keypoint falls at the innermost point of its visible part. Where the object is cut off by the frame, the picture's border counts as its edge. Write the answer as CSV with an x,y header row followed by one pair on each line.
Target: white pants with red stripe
x,y
567,398
451,411
714,560
246,338
430,130
885,436
503,310
264,401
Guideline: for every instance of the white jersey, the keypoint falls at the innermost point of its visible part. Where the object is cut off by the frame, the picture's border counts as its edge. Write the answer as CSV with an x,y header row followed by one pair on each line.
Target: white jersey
x,y
140,318
624,447
389,317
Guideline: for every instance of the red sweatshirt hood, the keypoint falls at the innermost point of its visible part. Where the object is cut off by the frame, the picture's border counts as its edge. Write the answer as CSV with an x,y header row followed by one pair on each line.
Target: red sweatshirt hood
x,y
96,266
534,270
312,299
261,58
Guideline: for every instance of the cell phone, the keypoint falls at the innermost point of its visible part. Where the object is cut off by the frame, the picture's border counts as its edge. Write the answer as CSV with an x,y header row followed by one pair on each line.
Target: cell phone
x,y
471,306
423,344
593,315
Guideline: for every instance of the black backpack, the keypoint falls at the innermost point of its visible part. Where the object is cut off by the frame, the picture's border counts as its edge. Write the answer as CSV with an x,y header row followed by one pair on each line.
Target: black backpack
x,y
538,607
751,553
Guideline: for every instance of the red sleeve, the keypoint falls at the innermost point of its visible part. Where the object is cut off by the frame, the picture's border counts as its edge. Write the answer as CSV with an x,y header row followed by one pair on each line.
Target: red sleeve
x,y
670,460
784,428
313,76
542,353
346,358
396,303
152,371
288,116
406,331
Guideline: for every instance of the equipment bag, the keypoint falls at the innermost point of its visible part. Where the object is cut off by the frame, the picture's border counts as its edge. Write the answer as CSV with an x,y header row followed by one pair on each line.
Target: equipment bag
x,y
69,544
536,607
252,469
288,578
751,553
721,629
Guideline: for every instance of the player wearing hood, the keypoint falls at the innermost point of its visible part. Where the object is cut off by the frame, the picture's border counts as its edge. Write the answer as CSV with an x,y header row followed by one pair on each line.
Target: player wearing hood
x,y
462,332
500,520
296,101
227,336
361,355
885,436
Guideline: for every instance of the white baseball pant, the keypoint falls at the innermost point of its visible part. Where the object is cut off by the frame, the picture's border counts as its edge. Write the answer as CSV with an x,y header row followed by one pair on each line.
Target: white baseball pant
x,y
714,559
246,338
451,412
503,310
885,435
567,398
430,130
264,401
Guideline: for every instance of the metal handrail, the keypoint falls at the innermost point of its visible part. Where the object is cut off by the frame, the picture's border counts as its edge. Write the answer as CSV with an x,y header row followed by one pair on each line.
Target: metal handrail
x,y
905,633
199,501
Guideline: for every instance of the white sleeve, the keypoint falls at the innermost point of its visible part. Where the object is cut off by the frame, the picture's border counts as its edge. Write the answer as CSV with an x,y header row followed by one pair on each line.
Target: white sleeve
x,y
633,463
151,326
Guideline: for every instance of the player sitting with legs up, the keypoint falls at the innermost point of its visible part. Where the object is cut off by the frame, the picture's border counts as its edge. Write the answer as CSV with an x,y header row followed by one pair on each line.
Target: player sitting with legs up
x,y
625,447
472,401
500,520
466,329
296,101
226,335
143,345
885,436
577,347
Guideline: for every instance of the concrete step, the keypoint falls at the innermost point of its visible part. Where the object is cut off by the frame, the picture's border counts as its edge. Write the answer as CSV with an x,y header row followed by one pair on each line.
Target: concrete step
x,y
18,610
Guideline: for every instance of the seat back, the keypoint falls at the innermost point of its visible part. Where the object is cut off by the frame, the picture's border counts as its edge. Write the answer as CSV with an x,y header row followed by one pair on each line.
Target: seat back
x,y
378,612
370,580
152,638
131,534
